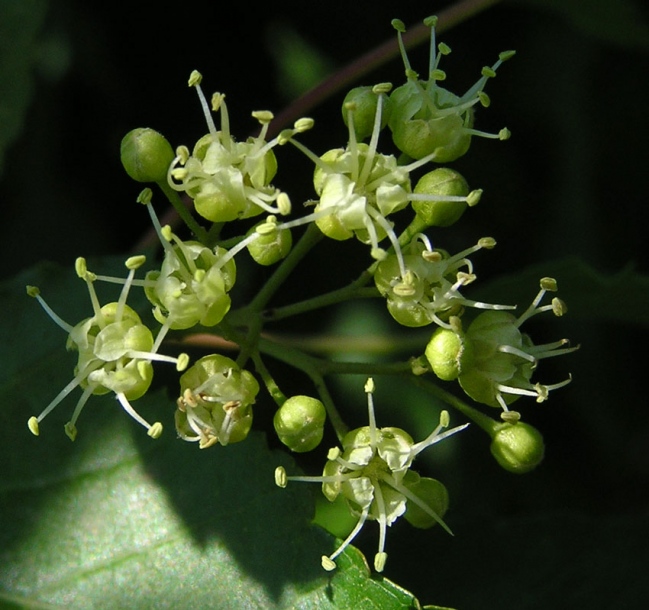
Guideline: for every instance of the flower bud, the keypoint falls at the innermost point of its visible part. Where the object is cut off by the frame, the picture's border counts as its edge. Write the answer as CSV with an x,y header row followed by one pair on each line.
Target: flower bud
x,y
447,352
518,447
299,423
146,155
362,103
272,244
444,183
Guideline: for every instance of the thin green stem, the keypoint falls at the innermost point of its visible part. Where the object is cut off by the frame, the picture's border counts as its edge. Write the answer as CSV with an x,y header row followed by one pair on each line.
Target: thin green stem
x,y
374,344
213,234
485,422
317,368
339,426
183,212
355,290
271,385
309,239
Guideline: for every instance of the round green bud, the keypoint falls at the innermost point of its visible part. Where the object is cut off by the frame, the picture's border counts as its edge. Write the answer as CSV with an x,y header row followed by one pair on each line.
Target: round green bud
x,y
272,244
441,182
362,103
447,352
518,447
146,155
299,423
432,493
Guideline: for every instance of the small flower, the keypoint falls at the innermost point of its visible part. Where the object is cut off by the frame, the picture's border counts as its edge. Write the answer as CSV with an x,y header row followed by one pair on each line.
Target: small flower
x,y
225,178
193,282
493,360
372,472
426,118
215,402
422,286
115,351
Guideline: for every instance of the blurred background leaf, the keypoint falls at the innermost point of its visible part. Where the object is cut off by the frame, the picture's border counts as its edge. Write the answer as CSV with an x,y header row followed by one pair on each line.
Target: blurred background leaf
x,y
21,55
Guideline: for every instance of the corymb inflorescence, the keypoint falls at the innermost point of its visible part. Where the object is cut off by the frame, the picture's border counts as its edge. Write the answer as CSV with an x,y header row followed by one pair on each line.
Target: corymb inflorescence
x,y
387,190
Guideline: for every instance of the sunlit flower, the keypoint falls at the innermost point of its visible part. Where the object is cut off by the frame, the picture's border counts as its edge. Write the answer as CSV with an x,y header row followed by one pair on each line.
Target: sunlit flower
x,y
372,472
115,348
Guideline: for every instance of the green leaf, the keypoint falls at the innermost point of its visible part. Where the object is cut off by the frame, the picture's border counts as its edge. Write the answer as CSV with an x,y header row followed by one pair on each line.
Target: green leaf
x,y
119,520
353,586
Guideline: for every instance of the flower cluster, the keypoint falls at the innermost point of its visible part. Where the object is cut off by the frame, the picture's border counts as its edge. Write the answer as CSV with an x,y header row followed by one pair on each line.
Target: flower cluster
x,y
385,194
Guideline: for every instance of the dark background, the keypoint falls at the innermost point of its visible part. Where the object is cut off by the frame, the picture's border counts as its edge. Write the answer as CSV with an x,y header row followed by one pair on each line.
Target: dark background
x,y
569,183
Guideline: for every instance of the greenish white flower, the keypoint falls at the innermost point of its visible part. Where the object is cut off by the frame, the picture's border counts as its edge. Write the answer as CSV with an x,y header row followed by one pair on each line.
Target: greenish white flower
x,y
426,118
504,359
215,403
115,348
225,178
372,472
423,286
191,287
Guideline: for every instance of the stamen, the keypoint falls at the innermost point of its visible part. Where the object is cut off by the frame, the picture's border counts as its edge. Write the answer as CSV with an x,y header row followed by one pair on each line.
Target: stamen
x,y
381,556
435,437
131,264
399,26
89,278
154,431
433,61
70,427
369,389
352,146
374,140
509,349
548,350
78,378
533,309
33,291
194,81
357,528
392,236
